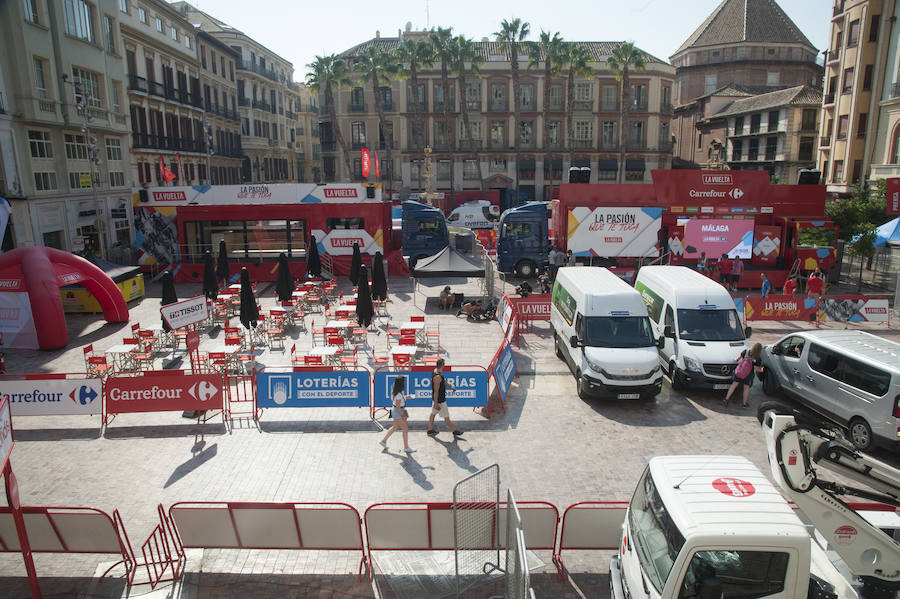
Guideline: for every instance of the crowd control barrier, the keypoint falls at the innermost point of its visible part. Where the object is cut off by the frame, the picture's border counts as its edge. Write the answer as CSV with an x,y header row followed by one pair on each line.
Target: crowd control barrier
x,y
590,525
161,391
315,387
429,526
236,525
240,397
503,369
70,530
62,394
471,383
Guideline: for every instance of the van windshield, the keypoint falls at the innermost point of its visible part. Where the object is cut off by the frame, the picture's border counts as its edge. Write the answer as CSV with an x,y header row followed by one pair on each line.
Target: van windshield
x,y
618,331
709,325
653,533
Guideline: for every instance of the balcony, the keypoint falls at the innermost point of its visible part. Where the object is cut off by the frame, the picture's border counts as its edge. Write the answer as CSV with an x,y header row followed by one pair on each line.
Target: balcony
x,y
834,55
496,144
290,115
825,141
260,105
439,107
666,146
838,9
829,99
411,106
441,146
809,127
495,106
753,155
583,144
290,145
666,108
609,146
358,145
474,105
895,90
527,145
528,106
255,68
637,146
387,106
328,146
243,101
556,107
638,107
382,145
583,105
156,89
137,84
151,141
356,107
470,144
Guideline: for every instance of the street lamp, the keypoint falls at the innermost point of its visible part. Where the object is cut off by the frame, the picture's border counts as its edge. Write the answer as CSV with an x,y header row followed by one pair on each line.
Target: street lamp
x,y
85,100
209,149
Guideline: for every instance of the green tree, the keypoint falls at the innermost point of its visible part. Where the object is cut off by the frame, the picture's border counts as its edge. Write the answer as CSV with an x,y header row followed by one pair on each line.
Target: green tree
x,y
624,59
441,40
465,58
376,67
857,217
547,53
327,73
863,245
577,59
414,55
511,37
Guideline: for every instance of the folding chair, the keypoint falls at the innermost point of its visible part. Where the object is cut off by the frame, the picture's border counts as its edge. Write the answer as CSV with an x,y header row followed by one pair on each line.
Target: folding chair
x,y
378,361
275,333
313,361
430,360
135,328
408,340
232,333
88,352
295,359
350,360
433,335
142,358
218,360
402,359
318,335
417,319
99,366
380,308
245,358
359,336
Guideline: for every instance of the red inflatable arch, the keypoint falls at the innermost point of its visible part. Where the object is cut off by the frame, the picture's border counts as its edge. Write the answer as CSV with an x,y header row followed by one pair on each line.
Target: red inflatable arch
x,y
41,271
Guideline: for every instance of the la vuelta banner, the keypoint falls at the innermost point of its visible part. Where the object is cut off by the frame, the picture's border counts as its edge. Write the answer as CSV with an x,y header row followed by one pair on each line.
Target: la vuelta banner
x,y
855,308
780,307
766,245
163,392
534,307
614,232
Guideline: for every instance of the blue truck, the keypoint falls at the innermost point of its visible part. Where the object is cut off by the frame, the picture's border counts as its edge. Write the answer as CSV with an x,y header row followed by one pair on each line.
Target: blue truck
x,y
523,241
424,231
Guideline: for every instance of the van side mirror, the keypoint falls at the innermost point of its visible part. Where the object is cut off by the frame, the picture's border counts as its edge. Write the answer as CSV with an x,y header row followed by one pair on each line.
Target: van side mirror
x,y
574,342
661,342
748,331
669,332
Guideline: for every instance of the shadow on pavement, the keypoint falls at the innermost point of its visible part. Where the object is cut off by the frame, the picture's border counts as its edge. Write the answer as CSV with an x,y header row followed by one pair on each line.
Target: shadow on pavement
x,y
85,586
57,434
318,426
164,431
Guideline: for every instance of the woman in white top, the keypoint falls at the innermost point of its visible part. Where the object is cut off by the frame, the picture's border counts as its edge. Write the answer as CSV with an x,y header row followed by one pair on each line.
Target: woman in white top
x,y
399,414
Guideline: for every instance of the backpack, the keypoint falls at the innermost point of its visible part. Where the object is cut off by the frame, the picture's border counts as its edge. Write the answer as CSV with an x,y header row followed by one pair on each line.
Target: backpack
x,y
744,368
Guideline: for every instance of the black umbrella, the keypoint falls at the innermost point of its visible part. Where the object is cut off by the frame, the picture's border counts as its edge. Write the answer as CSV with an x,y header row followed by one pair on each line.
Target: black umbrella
x,y
222,271
313,262
168,295
210,285
355,263
379,281
249,311
364,310
284,283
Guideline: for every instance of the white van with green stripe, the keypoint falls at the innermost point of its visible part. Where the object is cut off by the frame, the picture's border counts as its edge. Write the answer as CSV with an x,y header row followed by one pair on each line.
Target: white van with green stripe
x,y
703,336
601,329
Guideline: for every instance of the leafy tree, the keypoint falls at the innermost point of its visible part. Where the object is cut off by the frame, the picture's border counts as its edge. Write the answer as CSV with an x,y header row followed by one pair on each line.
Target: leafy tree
x,y
463,53
511,38
376,66
547,53
577,59
864,247
442,43
414,55
856,216
624,59
327,73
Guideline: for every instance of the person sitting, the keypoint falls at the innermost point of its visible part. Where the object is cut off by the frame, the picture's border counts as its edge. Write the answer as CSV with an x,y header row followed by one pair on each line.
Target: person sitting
x,y
469,308
446,298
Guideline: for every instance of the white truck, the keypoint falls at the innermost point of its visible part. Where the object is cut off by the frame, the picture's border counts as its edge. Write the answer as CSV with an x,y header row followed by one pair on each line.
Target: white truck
x,y
707,526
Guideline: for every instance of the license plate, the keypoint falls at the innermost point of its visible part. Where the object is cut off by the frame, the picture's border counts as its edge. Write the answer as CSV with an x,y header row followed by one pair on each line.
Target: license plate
x,y
725,386
629,395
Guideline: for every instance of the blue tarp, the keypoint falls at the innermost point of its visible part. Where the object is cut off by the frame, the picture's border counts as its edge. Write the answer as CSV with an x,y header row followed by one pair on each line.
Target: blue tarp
x,y
888,233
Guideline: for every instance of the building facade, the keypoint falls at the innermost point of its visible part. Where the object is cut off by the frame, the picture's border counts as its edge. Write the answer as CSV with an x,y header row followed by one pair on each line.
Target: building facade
x,y
885,155
222,121
65,135
859,87
488,160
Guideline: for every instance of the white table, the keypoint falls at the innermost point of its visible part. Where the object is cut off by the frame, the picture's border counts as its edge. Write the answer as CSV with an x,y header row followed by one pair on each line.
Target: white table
x,y
328,352
416,325
408,350
119,354
339,324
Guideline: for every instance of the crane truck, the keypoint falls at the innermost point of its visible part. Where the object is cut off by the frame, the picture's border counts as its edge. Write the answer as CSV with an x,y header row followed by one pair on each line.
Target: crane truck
x,y
707,526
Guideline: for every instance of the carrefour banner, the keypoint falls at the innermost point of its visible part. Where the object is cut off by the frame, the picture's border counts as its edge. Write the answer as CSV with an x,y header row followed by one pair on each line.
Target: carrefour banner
x,y
780,307
309,389
53,397
471,387
614,232
854,308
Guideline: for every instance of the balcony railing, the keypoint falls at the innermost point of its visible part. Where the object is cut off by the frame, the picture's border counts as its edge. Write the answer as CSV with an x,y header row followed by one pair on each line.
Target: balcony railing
x,y
496,144
895,90
583,105
829,99
138,84
838,8
382,145
528,106
637,146
243,101
260,105
753,155
255,68
440,146
387,106
638,107
583,144
290,115
473,104
352,107
156,89
808,127
609,146
439,107
498,107
470,144
358,145
825,141
162,142
411,106
526,145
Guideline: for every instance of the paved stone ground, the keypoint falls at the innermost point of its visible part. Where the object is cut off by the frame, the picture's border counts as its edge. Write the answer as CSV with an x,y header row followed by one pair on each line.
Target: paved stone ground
x,y
550,445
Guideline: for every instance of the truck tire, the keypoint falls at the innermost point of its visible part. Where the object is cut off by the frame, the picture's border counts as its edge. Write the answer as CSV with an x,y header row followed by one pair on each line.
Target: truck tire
x,y
860,433
579,384
677,381
770,384
525,269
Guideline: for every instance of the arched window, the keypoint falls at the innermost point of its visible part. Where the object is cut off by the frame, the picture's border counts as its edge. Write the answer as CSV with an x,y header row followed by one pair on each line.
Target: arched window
x,y
895,145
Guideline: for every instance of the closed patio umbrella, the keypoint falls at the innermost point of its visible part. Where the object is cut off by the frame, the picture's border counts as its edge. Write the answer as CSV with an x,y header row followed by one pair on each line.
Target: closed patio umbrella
x,y
168,295
313,262
284,282
249,312
355,263
210,285
222,270
364,309
379,281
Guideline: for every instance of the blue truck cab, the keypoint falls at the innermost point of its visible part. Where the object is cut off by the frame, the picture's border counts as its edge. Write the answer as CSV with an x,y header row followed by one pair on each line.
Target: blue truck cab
x,y
523,241
424,231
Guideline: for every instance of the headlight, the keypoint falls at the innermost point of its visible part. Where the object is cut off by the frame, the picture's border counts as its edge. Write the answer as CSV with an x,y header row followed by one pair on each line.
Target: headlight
x,y
691,364
595,366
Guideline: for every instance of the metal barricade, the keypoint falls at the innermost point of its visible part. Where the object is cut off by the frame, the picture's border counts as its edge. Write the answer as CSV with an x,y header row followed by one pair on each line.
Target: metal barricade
x,y
476,527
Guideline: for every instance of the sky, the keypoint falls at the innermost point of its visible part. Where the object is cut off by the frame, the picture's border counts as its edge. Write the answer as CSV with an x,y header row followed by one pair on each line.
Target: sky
x,y
300,30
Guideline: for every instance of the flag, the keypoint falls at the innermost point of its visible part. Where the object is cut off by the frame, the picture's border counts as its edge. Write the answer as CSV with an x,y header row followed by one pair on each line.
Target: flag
x,y
365,163
375,159
4,217
167,175
180,168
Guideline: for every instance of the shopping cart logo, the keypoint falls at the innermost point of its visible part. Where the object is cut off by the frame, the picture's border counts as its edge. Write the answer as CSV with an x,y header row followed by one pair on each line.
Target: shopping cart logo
x,y
280,388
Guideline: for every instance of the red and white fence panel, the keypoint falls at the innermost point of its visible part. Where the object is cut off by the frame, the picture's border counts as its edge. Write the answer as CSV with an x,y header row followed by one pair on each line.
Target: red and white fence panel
x,y
591,525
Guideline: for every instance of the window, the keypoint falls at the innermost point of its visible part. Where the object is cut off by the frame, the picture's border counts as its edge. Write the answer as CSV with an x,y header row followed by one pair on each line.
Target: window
x,y
863,124
76,147
497,165
475,127
857,171
754,123
159,24
736,150
31,13
843,122
212,60
39,83
853,34
773,120
895,159
739,125
792,347
710,84
526,97
639,96
79,180
116,94
655,536
583,92
109,31
113,149
771,147
636,134
174,34
498,133
744,573
847,370
142,15
187,43
555,97
45,181
123,6
345,223
609,101
116,179
867,78
753,149
470,170
848,80
553,136
79,19
808,122
584,130
805,151
40,144
838,175
358,133
873,28
526,133
498,95
443,170
87,87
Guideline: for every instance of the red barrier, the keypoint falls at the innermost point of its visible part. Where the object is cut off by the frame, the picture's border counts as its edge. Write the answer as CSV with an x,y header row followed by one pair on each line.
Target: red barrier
x,y
240,397
162,391
162,551
599,514
781,307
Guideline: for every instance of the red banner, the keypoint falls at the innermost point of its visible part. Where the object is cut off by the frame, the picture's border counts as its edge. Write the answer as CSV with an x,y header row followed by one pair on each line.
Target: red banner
x,y
365,162
166,174
375,160
534,307
781,307
766,245
893,195
163,392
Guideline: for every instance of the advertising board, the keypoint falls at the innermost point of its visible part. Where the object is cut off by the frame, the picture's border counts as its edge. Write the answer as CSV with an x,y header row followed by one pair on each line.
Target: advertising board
x,y
504,370
163,392
717,237
189,311
471,388
312,389
6,434
614,231
781,307
854,308
53,397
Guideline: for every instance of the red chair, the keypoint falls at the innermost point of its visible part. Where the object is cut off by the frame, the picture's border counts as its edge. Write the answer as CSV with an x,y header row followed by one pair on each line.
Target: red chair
x,y
142,358
430,360
434,335
407,332
335,340
350,360
88,352
379,361
417,319
98,365
402,359
408,340
295,359
313,360
218,360
135,328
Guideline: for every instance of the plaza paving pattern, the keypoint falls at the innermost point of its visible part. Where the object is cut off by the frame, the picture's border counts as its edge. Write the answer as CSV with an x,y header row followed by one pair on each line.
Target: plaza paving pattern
x,y
549,444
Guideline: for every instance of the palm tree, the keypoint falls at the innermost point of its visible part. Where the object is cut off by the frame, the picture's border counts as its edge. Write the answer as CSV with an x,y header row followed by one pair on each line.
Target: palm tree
x,y
327,73
376,66
547,53
411,55
441,40
624,58
463,52
578,59
511,35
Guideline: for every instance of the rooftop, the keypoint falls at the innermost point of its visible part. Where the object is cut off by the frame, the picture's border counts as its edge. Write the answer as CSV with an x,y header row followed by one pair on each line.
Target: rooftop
x,y
801,95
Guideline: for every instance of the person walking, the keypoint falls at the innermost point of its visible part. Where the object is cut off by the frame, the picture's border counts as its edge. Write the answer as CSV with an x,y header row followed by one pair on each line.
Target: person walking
x,y
439,386
815,283
744,373
725,270
737,269
399,414
766,284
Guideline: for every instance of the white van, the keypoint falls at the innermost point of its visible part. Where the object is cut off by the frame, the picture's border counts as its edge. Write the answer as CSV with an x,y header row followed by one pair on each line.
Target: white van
x,y
475,214
850,377
600,327
697,317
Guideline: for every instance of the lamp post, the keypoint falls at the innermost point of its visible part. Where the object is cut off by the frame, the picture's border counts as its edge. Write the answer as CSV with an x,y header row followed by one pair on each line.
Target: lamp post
x,y
207,128
84,101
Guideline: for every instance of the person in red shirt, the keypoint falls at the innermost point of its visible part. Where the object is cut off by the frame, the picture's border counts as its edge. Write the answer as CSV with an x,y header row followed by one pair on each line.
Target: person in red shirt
x,y
815,283
725,270
790,286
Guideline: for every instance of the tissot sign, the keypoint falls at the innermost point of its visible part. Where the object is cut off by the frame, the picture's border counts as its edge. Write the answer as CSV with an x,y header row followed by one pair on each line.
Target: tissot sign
x,y
163,392
185,312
